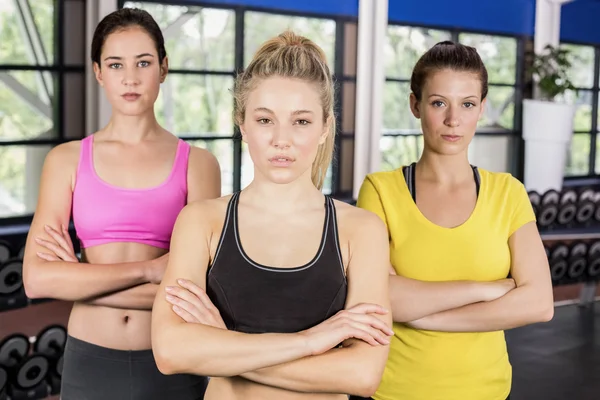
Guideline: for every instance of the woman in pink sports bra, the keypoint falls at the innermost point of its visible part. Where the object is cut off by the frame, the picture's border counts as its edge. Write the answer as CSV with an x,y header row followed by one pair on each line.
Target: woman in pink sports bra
x,y
124,187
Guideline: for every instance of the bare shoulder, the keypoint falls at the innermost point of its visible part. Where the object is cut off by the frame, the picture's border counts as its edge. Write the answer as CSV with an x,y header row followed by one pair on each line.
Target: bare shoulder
x,y
354,222
203,159
65,154
211,211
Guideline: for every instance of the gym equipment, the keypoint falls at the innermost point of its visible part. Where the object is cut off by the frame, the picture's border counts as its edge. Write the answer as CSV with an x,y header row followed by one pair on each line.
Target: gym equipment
x,y
26,373
3,383
51,343
12,292
4,251
548,211
567,209
577,261
558,263
593,267
21,253
535,198
586,207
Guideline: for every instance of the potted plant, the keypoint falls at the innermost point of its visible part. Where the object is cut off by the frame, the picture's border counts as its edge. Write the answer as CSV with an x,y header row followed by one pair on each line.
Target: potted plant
x,y
548,120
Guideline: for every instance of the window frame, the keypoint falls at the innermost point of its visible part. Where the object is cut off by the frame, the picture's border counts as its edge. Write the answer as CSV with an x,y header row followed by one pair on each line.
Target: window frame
x,y
240,11
59,70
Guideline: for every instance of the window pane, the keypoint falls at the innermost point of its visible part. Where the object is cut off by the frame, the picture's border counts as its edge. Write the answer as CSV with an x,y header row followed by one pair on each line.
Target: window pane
x,y
578,156
397,117
196,105
597,164
195,37
499,109
248,171
492,153
583,113
26,111
33,44
397,151
582,68
20,170
222,149
405,45
260,27
498,53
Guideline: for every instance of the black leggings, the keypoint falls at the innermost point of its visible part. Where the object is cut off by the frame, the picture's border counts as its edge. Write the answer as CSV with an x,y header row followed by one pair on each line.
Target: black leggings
x,y
92,372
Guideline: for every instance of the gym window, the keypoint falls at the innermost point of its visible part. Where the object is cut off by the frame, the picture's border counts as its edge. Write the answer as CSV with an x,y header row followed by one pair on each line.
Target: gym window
x,y
42,95
493,146
206,46
582,158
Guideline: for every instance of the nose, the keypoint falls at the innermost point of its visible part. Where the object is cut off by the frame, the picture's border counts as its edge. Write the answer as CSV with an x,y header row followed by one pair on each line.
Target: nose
x,y
281,138
452,118
130,78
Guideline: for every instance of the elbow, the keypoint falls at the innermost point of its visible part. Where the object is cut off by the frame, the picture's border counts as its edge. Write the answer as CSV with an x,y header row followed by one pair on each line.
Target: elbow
x,y
368,383
32,283
546,314
166,362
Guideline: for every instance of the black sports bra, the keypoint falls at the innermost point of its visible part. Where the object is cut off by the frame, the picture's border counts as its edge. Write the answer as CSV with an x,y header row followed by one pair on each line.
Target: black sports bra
x,y
409,176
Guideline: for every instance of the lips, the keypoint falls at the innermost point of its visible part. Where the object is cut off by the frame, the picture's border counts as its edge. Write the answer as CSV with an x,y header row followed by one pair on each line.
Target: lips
x,y
451,138
281,160
131,96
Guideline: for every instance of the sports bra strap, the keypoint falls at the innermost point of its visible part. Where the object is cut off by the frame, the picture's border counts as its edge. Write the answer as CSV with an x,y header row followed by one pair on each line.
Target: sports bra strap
x,y
409,176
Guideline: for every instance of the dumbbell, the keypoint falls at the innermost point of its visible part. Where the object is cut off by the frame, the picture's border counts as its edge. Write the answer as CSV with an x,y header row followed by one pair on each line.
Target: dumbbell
x,y
26,373
535,198
21,253
51,343
5,251
3,383
593,268
567,209
558,262
577,261
586,207
12,292
548,209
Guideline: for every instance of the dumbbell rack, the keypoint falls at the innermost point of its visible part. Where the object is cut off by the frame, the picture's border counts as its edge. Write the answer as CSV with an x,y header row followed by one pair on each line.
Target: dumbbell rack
x,y
569,224
31,367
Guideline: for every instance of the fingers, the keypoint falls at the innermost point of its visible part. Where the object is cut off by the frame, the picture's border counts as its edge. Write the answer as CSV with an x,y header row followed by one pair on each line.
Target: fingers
x,y
57,250
367,308
65,233
47,257
370,321
186,316
199,293
189,303
58,237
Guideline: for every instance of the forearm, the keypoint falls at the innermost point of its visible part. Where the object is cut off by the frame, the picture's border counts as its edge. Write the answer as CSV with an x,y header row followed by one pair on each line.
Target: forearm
x,y
354,370
517,308
139,297
412,299
203,350
79,281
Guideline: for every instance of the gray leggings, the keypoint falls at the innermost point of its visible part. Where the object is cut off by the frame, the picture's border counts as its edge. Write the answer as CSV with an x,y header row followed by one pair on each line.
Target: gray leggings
x,y
92,372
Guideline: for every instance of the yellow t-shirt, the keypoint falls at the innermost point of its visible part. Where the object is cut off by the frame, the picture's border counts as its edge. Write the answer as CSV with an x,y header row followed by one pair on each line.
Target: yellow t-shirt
x,y
431,365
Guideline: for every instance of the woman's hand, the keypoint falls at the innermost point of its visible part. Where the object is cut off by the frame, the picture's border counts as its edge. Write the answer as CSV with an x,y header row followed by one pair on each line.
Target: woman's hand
x,y
193,305
62,247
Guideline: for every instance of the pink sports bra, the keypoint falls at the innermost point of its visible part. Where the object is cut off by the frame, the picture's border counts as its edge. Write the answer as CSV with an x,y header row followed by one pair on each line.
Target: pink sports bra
x,y
104,213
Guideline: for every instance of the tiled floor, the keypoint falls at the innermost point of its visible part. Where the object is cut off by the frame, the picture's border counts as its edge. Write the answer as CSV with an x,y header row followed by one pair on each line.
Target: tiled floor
x,y
558,360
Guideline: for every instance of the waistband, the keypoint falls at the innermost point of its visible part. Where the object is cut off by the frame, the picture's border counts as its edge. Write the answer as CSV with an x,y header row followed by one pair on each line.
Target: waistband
x,y
93,350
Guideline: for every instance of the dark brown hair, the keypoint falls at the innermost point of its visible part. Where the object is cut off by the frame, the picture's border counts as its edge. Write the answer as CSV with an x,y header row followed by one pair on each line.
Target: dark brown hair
x,y
123,19
448,55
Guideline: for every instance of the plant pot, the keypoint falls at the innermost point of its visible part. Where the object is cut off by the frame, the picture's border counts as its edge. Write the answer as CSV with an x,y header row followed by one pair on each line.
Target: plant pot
x,y
547,131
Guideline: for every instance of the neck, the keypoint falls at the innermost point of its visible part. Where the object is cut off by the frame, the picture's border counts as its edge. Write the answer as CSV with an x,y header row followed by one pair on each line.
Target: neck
x,y
444,169
132,129
283,198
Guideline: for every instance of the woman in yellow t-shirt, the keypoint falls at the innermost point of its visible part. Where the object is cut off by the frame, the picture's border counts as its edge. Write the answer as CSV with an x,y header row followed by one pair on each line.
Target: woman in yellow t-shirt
x,y
453,227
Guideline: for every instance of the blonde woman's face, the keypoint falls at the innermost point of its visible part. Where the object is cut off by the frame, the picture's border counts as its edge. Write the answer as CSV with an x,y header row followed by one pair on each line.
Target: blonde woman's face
x,y
283,128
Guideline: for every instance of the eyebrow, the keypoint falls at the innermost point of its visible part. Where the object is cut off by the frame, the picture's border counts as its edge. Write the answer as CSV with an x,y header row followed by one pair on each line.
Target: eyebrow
x,y
439,95
120,58
297,112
